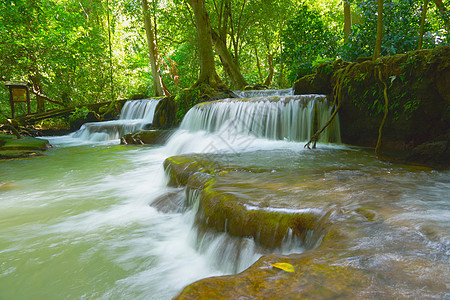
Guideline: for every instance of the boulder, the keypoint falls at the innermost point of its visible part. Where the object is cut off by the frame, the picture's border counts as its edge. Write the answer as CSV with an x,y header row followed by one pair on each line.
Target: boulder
x,y
417,91
146,137
165,114
13,147
353,247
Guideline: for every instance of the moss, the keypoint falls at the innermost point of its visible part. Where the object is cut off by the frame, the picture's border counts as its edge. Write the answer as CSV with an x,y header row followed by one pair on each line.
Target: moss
x,y
24,143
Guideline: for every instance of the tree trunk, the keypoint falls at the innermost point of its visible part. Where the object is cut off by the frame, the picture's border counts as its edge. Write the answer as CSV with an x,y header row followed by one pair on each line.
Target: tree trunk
x,y
258,64
377,50
208,72
37,86
444,14
226,58
269,78
422,24
347,20
281,79
153,50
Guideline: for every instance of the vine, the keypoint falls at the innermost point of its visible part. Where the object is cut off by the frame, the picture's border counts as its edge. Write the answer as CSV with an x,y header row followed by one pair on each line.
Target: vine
x,y
337,91
386,110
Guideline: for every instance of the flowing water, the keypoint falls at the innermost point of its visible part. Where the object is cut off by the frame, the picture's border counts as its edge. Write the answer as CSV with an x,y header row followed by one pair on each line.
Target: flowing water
x,y
135,115
76,223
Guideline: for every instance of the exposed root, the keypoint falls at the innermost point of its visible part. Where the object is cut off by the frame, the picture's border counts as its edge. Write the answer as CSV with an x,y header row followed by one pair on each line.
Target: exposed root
x,y
386,109
12,129
337,91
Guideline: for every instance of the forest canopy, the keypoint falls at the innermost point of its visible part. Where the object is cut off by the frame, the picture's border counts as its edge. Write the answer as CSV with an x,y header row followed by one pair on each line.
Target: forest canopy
x,y
88,51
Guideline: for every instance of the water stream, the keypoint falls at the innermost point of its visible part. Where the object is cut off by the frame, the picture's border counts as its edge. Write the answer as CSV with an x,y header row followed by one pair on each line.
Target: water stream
x,y
76,223
135,115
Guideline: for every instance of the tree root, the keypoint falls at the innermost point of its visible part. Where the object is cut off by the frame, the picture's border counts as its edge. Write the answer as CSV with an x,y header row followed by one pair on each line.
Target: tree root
x,y
12,129
337,91
386,110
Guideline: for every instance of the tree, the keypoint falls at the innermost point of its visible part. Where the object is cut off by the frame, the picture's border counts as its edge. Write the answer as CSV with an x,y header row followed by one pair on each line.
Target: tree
x,y
377,51
219,37
347,20
208,73
305,39
422,24
444,14
158,84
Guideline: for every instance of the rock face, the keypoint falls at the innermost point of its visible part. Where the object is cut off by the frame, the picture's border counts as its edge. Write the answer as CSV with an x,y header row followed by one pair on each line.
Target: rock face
x,y
165,114
146,137
12,147
339,216
417,90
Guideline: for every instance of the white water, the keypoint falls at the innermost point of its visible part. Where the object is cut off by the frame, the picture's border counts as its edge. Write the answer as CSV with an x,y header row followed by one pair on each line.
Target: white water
x,y
79,225
291,118
135,115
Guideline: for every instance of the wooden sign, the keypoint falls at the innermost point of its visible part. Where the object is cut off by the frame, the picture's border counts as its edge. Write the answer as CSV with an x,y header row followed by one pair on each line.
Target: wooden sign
x,y
19,95
18,92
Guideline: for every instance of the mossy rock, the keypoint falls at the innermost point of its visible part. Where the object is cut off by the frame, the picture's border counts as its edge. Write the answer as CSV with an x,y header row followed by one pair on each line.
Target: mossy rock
x,y
146,137
224,212
10,154
165,114
417,90
24,143
312,279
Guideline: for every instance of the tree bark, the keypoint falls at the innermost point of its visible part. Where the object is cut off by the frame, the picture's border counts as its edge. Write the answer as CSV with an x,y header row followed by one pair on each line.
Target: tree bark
x,y
377,50
444,15
269,78
422,24
226,58
153,50
347,20
258,65
208,72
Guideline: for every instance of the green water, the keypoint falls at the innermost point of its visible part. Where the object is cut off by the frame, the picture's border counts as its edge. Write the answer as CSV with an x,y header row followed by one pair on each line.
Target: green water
x,y
76,223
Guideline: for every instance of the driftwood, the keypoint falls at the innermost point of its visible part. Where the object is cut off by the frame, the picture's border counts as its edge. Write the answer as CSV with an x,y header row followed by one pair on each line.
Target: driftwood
x,y
65,112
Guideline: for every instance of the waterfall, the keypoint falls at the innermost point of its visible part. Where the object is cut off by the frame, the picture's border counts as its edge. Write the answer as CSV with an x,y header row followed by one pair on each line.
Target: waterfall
x,y
135,115
291,118
139,110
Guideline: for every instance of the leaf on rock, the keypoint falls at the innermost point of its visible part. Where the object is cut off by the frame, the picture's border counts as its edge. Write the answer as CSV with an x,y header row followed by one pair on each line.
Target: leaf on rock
x,y
284,266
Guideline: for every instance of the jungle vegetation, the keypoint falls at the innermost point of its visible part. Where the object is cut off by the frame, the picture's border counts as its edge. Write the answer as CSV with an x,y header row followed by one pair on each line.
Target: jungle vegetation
x,y
87,51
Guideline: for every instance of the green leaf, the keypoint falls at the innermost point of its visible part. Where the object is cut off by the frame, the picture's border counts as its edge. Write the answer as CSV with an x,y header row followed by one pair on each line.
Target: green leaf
x,y
284,266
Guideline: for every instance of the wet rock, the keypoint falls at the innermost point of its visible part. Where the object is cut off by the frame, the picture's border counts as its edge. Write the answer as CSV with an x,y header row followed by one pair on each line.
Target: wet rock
x,y
24,143
435,153
13,147
417,88
76,121
170,202
241,216
165,114
146,137
348,220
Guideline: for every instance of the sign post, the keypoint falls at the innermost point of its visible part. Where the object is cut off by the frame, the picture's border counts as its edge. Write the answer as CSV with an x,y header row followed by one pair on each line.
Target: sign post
x,y
18,92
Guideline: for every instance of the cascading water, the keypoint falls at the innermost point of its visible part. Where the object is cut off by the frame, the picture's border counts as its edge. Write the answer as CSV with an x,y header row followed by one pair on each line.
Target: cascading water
x,y
135,115
291,118
84,228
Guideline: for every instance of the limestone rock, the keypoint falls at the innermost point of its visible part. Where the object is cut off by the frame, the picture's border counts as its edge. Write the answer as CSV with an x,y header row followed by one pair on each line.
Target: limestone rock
x,y
165,114
146,137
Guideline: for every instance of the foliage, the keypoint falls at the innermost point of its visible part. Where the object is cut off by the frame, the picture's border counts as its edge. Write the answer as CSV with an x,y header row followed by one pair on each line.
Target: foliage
x,y
187,98
79,113
59,47
305,38
401,20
